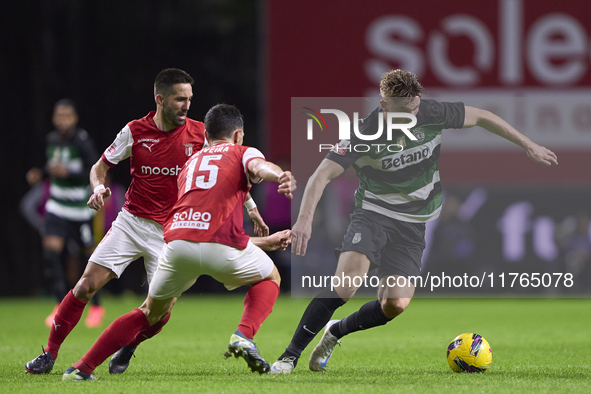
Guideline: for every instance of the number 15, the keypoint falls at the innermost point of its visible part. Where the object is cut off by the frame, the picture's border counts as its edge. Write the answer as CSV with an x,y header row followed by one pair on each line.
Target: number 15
x,y
204,166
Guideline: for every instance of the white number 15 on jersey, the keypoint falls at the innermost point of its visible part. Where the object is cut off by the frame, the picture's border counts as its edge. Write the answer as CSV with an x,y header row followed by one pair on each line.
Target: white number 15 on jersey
x,y
204,166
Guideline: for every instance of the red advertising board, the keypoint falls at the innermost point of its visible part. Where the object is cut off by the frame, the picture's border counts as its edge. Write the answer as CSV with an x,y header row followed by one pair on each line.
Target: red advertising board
x,y
513,47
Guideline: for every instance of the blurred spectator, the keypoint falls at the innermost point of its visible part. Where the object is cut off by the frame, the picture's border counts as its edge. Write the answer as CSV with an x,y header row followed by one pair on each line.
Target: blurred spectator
x,y
573,237
452,246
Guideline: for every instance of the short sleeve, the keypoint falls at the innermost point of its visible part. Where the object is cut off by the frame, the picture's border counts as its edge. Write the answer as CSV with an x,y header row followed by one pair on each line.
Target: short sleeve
x,y
452,115
249,154
120,149
342,154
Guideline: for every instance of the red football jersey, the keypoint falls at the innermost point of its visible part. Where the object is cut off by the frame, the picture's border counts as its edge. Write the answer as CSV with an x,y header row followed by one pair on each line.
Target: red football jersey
x,y
211,194
156,158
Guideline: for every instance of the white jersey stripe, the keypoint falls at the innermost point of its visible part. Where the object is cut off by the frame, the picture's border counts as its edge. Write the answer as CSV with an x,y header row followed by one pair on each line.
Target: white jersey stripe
x,y
401,198
405,217
69,193
69,213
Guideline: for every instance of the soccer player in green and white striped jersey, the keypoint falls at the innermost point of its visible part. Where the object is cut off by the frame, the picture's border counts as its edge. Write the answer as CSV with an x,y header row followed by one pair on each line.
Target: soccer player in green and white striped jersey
x,y
70,155
398,192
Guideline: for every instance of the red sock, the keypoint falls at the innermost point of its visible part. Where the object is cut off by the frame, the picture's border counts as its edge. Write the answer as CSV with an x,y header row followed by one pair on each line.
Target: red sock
x,y
118,334
258,304
66,318
149,332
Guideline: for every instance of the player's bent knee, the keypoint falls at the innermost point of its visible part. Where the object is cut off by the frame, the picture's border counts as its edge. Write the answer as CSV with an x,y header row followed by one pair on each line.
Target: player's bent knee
x,y
346,293
90,283
84,290
274,277
156,310
393,307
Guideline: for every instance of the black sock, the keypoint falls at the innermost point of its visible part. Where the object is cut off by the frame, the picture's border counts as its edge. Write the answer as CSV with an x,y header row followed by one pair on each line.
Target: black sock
x,y
53,272
317,314
368,316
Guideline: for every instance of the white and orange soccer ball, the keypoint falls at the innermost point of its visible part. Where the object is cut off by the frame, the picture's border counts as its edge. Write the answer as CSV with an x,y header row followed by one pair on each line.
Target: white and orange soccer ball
x,y
469,353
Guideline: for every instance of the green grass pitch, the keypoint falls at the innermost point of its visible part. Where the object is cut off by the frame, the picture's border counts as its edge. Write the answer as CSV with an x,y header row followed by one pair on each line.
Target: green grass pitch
x,y
539,345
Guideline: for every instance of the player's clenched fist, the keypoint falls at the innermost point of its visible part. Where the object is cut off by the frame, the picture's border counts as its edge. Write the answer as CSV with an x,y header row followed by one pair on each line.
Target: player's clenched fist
x,y
287,184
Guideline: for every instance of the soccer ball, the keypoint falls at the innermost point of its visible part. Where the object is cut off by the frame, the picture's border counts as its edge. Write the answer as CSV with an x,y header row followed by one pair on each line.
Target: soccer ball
x,y
469,353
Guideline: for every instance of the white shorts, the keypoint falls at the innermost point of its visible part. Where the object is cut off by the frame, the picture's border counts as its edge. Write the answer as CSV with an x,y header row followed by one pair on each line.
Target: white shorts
x,y
182,262
130,238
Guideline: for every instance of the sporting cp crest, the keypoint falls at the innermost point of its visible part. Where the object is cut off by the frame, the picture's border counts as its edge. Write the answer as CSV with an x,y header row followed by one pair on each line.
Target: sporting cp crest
x,y
356,238
188,149
420,135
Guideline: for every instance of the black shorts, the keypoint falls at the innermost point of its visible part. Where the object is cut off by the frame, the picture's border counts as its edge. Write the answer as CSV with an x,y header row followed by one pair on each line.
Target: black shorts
x,y
393,246
81,232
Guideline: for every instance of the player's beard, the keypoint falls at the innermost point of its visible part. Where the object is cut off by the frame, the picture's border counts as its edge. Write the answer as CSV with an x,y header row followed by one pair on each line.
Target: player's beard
x,y
170,116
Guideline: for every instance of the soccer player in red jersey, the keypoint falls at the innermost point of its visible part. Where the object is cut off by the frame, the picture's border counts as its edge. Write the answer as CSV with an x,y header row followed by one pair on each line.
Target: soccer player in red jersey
x,y
157,145
204,236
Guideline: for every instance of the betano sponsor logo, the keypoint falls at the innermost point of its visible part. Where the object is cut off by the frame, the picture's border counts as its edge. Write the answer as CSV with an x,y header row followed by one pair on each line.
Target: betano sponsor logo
x,y
404,159
161,171
191,219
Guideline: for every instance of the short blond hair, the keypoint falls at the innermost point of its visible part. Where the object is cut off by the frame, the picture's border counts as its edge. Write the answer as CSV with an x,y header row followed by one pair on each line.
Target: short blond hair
x,y
400,83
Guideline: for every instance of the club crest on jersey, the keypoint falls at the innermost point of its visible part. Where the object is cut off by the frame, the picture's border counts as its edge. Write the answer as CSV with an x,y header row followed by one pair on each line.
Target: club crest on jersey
x,y
356,238
188,149
419,134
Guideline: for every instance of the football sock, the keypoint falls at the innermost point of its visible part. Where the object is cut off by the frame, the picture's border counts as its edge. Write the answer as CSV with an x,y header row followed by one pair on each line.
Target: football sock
x,y
67,316
258,304
149,332
54,273
368,316
317,314
117,335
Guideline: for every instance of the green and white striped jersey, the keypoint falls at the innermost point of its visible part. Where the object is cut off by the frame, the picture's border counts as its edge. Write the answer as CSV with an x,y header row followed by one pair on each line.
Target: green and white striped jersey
x,y
68,196
403,185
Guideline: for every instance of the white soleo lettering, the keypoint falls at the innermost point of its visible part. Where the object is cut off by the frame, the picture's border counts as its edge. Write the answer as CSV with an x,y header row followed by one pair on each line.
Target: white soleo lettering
x,y
517,45
191,219
174,171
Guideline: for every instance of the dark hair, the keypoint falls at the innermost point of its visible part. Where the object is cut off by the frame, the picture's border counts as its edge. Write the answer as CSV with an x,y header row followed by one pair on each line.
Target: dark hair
x,y
169,77
65,102
221,120
400,83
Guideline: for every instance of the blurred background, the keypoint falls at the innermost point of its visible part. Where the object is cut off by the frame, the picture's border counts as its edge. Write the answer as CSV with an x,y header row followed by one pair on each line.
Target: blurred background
x,y
526,61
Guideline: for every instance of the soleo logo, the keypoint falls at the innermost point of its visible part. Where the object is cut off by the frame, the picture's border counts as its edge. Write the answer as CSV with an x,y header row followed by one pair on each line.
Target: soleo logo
x,y
523,37
191,219
161,171
393,120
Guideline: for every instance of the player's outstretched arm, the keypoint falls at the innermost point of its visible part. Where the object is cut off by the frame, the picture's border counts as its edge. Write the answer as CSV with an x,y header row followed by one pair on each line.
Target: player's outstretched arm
x,y
98,174
277,241
495,124
302,229
268,171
